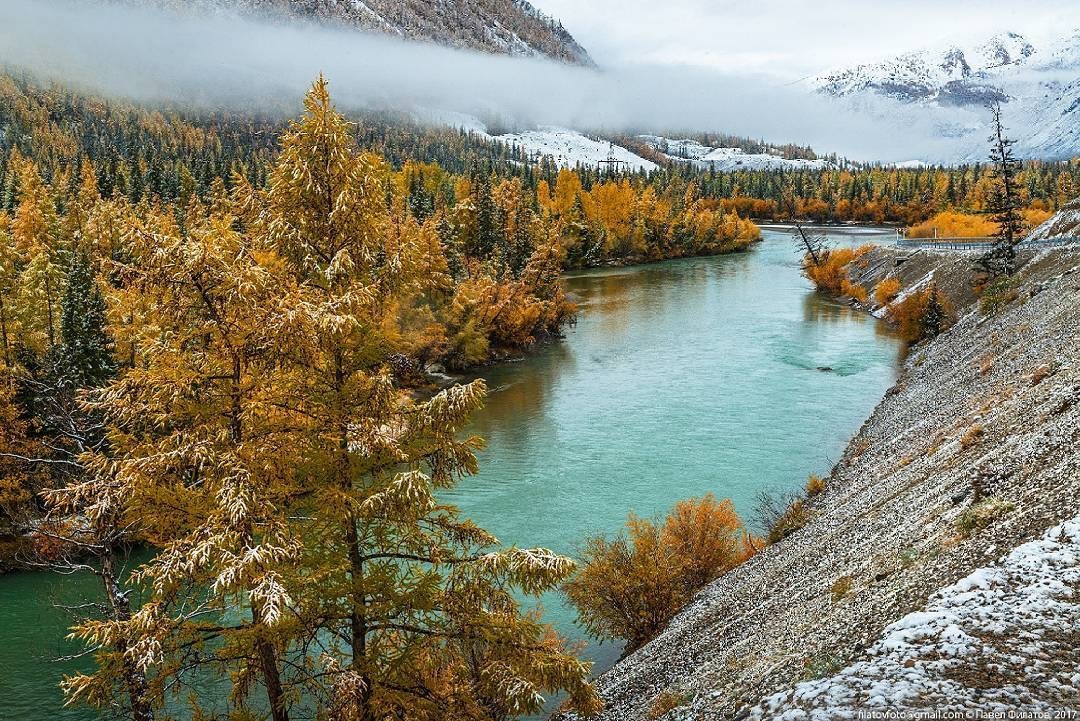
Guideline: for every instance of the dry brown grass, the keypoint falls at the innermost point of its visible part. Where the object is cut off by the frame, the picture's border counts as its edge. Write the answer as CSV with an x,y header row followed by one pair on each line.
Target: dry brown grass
x,y
1041,373
972,436
667,701
841,587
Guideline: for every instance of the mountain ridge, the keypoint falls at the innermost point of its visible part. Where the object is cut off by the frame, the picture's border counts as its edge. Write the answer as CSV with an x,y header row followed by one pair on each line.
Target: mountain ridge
x,y
1038,85
503,27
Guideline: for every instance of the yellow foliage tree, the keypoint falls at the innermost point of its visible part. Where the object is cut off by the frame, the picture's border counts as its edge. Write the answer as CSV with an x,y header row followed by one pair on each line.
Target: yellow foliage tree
x,y
629,587
262,444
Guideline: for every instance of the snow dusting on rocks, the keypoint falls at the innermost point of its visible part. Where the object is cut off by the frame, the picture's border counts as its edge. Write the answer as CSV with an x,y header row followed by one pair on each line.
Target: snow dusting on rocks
x,y
1003,637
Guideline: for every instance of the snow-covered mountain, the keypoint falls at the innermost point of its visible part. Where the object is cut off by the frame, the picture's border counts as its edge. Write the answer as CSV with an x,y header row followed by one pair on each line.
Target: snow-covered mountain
x,y
952,75
511,27
723,159
948,88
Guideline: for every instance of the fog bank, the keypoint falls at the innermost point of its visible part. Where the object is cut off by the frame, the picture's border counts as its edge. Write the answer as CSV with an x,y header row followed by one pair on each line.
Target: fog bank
x,y
224,62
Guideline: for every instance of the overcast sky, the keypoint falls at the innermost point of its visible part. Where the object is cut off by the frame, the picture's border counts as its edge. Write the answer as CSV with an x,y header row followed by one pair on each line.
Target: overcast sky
x,y
790,38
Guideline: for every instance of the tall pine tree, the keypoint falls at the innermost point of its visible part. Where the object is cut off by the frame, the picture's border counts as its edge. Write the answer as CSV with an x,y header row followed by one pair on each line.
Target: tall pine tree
x,y
1004,203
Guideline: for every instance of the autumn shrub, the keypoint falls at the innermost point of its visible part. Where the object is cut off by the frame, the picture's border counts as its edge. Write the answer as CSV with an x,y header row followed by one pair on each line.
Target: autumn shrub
x,y
779,515
831,273
795,517
885,292
486,315
1034,217
667,701
954,224
630,586
853,290
922,314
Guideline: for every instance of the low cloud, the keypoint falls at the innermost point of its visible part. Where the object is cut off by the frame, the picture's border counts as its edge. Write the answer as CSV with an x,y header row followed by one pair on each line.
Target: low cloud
x,y
223,62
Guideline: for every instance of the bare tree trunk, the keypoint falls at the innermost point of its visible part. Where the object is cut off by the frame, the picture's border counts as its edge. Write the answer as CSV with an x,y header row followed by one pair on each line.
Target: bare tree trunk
x,y
358,600
134,679
4,332
809,244
271,675
268,664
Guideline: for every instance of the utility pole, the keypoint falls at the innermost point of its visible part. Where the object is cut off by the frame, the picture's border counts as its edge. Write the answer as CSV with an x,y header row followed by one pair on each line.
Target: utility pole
x,y
612,164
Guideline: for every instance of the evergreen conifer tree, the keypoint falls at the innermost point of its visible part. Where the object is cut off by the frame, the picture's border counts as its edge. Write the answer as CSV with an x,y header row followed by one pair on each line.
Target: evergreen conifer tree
x,y
1004,203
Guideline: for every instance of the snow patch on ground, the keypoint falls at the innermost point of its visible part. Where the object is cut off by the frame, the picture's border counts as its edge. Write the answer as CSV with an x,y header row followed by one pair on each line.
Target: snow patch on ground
x,y
569,148
724,159
565,147
1002,638
451,119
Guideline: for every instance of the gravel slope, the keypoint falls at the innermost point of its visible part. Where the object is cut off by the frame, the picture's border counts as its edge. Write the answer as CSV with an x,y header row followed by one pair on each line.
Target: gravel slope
x,y
991,409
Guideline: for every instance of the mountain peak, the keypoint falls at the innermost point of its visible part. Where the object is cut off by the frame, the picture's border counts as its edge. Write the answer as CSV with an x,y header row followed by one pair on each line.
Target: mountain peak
x,y
950,85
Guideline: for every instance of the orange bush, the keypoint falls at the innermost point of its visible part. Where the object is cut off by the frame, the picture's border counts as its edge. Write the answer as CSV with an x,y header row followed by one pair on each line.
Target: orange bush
x,y
885,292
1034,217
831,273
815,485
853,290
954,224
631,586
922,314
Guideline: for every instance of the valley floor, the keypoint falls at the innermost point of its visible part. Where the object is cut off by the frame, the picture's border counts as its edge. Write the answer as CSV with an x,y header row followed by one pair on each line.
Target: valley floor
x,y
879,601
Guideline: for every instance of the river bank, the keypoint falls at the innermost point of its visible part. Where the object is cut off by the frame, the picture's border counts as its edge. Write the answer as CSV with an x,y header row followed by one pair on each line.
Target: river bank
x,y
676,381
972,453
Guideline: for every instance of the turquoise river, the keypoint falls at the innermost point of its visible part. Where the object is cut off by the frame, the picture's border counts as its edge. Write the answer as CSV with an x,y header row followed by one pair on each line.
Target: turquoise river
x,y
724,374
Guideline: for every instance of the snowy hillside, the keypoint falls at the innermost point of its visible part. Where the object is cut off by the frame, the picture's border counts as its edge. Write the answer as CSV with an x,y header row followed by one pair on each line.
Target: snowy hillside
x,y
570,148
948,88
565,147
511,27
1064,224
723,159
998,639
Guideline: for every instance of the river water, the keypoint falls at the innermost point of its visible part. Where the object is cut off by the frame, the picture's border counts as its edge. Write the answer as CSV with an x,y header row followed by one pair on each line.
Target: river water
x,y
679,378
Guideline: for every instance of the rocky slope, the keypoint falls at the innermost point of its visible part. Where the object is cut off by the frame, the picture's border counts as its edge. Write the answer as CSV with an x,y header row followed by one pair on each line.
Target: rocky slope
x,y
1065,224
973,453
511,27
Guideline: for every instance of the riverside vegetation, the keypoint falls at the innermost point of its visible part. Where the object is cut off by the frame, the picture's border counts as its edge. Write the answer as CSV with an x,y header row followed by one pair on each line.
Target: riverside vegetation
x,y
227,373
